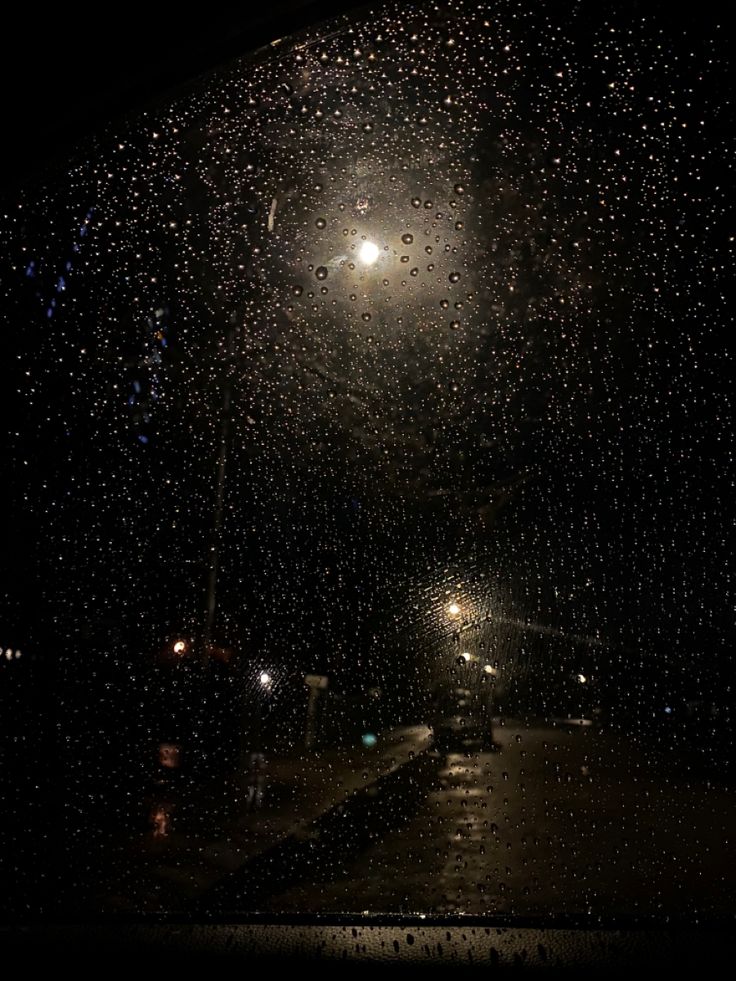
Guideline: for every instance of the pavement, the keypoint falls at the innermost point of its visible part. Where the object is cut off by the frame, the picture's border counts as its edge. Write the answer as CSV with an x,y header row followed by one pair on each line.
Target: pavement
x,y
204,834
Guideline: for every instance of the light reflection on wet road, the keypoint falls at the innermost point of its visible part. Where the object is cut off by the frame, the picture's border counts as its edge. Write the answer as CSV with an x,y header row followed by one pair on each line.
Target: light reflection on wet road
x,y
556,822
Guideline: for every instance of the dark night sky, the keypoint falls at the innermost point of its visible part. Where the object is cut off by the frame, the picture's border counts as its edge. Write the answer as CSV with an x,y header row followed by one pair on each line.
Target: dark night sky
x,y
65,73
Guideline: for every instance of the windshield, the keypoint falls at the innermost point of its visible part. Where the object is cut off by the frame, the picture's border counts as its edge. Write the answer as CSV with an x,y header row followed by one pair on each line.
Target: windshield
x,y
370,481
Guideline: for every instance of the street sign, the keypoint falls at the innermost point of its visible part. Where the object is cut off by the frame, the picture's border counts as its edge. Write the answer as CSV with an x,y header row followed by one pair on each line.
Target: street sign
x,y
316,683
316,680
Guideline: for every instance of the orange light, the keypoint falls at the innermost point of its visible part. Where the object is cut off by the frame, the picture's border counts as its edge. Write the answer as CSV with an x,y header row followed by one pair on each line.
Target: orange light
x,y
161,822
180,646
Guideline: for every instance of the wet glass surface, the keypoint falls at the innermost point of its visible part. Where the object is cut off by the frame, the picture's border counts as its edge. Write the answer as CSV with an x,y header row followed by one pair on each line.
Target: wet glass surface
x,y
371,481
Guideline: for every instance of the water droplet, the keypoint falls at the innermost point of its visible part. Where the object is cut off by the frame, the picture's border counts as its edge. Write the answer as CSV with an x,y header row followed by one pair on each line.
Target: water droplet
x,y
321,272
454,277
407,238
321,223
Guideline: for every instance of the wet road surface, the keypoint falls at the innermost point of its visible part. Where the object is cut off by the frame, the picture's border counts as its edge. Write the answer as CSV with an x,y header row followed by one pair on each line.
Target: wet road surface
x,y
559,821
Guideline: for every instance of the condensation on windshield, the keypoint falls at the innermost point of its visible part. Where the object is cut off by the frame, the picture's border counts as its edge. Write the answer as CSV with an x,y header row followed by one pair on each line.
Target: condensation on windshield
x,y
371,481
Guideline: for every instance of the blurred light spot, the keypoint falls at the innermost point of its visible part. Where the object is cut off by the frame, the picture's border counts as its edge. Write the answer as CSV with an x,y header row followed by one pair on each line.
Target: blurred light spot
x,y
169,755
161,821
369,252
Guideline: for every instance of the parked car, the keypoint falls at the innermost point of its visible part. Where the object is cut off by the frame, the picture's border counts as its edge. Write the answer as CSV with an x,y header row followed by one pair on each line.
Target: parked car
x,y
462,723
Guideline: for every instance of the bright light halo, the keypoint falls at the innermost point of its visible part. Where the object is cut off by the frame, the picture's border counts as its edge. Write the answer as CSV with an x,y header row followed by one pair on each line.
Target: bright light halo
x,y
369,253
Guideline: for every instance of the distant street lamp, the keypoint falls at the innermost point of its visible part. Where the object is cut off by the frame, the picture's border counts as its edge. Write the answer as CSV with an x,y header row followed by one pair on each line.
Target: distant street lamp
x,y
453,609
265,679
369,252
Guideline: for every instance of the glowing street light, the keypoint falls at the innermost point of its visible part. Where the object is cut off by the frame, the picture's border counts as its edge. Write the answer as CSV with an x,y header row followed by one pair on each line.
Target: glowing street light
x,y
369,253
582,679
180,647
453,609
265,679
